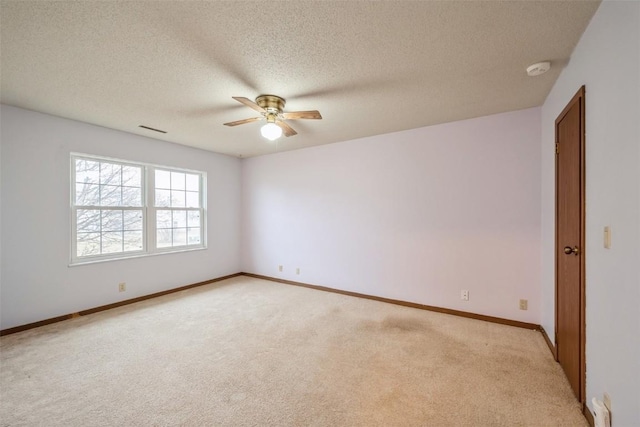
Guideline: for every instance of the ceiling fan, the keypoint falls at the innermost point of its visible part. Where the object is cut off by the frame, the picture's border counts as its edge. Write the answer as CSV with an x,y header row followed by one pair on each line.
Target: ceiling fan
x,y
271,107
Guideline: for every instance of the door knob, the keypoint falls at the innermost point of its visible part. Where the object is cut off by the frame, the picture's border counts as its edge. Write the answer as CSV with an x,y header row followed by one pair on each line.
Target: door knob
x,y
569,250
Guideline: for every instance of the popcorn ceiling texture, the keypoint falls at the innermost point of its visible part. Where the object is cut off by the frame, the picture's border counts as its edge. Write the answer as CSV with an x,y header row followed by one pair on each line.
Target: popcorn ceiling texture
x,y
247,352
369,67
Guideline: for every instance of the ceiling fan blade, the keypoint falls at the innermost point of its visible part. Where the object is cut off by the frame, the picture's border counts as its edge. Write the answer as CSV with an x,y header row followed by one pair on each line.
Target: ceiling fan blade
x,y
286,129
315,114
249,103
241,122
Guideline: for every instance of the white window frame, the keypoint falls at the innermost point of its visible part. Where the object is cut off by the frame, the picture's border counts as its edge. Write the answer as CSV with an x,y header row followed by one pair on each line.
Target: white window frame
x,y
149,231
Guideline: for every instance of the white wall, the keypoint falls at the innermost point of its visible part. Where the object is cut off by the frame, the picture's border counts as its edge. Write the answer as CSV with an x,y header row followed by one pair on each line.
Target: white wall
x,y
0,219
37,282
415,215
607,61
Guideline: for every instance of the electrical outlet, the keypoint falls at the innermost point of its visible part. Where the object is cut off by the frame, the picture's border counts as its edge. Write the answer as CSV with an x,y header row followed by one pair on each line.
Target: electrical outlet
x,y
464,295
280,268
298,270
122,286
524,304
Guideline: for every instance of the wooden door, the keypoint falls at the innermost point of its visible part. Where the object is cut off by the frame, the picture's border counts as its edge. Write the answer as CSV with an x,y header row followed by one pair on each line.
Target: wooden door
x,y
570,257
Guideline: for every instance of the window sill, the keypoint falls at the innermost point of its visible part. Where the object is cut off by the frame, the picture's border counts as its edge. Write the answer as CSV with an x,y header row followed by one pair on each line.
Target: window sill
x,y
143,255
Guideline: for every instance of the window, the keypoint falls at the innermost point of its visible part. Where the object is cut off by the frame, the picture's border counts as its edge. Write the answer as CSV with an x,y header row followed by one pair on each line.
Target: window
x,y
115,216
177,202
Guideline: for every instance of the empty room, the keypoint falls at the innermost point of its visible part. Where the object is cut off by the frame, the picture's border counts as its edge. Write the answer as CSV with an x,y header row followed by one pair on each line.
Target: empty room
x,y
305,213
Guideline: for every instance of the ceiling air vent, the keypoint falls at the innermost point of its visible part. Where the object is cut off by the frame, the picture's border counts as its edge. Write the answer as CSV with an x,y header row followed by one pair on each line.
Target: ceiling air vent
x,y
153,129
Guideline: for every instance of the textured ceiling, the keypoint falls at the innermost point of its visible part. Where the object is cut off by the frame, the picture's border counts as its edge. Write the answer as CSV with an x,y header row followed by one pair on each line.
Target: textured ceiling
x,y
369,67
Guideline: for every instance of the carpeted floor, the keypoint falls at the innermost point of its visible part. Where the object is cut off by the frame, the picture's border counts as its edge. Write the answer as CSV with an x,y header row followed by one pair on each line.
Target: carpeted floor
x,y
248,352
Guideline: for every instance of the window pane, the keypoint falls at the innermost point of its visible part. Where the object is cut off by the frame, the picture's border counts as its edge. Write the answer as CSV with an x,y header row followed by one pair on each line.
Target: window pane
x,y
132,220
193,199
177,199
193,182
179,219
132,176
179,236
87,171
111,220
193,218
133,241
88,220
163,219
163,198
110,195
163,237
131,196
111,242
163,179
87,194
193,236
110,174
88,244
177,181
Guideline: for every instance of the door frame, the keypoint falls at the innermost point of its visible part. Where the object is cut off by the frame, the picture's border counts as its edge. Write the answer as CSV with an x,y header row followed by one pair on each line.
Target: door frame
x,y
579,97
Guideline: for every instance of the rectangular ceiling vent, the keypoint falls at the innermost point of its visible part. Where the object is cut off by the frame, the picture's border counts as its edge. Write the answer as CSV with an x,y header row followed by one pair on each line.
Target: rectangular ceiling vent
x,y
153,129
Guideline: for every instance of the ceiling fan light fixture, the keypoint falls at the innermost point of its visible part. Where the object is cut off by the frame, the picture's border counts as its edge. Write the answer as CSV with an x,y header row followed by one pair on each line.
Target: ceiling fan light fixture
x,y
271,131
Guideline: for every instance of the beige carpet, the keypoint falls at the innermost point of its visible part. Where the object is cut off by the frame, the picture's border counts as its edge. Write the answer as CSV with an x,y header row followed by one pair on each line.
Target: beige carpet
x,y
247,352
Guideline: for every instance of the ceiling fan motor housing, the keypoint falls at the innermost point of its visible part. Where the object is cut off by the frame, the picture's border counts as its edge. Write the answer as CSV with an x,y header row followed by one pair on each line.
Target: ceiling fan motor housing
x,y
271,103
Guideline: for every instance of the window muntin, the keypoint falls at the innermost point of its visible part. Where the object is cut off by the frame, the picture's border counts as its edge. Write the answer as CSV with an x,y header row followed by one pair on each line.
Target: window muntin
x,y
178,227
103,183
107,231
110,207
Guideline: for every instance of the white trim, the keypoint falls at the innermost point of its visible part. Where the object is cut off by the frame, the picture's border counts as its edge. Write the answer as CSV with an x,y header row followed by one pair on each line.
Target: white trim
x,y
137,255
133,162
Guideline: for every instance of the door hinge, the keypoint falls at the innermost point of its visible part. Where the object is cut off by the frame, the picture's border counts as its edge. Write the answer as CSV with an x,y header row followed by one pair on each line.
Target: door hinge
x,y
557,148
